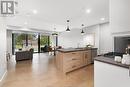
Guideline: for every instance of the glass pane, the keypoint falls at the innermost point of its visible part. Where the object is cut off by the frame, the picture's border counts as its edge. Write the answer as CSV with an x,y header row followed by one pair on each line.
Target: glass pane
x,y
44,43
33,41
20,41
26,41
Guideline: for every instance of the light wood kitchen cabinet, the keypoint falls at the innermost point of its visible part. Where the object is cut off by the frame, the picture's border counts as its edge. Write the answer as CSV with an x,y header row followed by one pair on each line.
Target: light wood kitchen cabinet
x,y
87,57
71,60
67,62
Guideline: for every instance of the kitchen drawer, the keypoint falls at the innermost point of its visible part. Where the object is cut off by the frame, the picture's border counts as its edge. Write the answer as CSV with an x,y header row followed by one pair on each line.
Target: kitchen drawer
x,y
66,60
72,54
72,62
72,66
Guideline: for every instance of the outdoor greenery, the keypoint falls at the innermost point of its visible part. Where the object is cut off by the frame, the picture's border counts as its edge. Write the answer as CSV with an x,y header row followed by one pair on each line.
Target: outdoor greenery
x,y
19,40
32,37
44,40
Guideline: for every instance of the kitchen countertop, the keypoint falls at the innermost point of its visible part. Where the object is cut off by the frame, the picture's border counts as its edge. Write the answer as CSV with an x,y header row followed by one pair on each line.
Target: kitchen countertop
x,y
75,49
110,61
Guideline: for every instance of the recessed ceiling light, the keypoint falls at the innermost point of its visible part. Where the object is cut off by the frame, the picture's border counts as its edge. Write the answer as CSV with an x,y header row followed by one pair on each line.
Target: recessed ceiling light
x,y
102,19
7,27
88,10
34,11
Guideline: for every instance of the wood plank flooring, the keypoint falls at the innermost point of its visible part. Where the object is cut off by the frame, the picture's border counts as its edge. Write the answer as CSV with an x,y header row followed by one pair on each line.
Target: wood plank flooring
x,y
42,72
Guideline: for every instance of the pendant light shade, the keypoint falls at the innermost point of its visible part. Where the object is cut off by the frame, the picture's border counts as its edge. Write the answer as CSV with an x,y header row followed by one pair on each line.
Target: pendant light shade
x,y
54,33
68,29
82,32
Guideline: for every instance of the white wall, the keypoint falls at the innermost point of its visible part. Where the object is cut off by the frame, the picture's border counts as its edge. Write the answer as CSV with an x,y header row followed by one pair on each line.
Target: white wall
x,y
102,33
9,41
3,65
119,15
75,39
70,39
106,41
94,30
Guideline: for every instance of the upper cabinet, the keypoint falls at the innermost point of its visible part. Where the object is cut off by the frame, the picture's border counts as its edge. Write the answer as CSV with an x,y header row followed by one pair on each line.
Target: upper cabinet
x,y
119,16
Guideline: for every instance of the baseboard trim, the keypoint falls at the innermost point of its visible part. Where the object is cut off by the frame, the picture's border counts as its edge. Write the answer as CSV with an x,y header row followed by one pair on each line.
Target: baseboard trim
x,y
3,78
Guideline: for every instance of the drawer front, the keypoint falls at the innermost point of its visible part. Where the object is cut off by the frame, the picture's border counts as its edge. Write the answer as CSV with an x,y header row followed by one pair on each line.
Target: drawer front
x,y
72,54
71,59
69,63
72,66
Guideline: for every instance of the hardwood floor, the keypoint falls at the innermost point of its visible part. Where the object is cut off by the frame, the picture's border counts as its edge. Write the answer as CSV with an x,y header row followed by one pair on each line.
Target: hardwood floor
x,y
42,72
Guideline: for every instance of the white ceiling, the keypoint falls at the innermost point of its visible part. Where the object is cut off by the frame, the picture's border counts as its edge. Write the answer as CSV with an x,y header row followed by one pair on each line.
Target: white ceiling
x,y
54,13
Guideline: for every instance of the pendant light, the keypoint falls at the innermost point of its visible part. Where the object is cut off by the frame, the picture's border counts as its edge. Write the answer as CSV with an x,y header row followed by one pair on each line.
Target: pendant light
x,y
68,29
55,33
82,32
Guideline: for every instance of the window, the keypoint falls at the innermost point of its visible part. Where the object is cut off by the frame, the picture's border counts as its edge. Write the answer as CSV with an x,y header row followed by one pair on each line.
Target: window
x,y
36,41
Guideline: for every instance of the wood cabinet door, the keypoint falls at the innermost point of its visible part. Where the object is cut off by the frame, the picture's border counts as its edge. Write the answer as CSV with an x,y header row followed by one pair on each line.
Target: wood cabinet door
x,y
87,57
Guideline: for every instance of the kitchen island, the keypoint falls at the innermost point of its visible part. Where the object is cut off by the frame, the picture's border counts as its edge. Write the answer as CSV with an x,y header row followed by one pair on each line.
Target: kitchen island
x,y
73,58
108,73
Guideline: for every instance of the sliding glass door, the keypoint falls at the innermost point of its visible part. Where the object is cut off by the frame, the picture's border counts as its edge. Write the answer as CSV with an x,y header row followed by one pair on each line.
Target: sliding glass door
x,y
21,41
44,42
33,41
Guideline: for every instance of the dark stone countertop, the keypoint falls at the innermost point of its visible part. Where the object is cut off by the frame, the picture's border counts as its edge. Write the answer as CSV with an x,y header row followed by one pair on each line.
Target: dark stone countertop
x,y
110,61
75,49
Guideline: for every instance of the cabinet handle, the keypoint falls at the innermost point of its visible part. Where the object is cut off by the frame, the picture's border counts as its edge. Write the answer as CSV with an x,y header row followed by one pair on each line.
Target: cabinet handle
x,y
73,66
74,59
73,53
